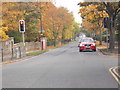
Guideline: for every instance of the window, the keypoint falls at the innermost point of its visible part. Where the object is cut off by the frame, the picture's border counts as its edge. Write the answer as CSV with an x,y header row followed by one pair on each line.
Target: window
x,y
87,40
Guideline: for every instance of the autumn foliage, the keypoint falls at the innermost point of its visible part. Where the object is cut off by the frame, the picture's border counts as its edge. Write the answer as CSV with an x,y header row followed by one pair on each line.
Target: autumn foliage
x,y
94,12
3,35
92,18
58,23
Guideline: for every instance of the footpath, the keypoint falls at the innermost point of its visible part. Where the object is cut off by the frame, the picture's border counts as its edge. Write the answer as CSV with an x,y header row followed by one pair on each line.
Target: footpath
x,y
29,54
105,51
17,59
115,71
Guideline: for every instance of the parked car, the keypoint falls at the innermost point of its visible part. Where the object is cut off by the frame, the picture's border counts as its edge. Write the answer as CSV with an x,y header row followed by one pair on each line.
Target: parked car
x,y
87,43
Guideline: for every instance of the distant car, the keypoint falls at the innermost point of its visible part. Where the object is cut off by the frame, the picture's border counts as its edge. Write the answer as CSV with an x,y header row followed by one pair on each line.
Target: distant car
x,y
87,43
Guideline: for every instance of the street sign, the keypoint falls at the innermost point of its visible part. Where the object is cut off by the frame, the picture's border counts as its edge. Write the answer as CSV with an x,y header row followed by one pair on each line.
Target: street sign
x,y
41,31
21,25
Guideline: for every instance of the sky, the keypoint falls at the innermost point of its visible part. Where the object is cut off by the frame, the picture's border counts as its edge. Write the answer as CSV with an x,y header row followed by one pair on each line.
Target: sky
x,y
72,6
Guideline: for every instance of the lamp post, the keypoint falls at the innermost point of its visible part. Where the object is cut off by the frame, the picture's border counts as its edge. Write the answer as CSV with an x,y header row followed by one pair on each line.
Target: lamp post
x,y
41,28
41,32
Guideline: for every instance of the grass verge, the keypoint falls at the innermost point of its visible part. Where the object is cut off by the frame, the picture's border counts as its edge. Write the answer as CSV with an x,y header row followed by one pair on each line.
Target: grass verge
x,y
115,51
36,53
43,51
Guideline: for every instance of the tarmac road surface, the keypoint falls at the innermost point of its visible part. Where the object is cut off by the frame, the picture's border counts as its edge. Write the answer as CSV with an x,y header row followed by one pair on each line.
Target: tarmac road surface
x,y
64,67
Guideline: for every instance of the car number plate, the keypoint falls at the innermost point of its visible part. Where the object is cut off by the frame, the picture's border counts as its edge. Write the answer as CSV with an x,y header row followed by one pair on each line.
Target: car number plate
x,y
87,47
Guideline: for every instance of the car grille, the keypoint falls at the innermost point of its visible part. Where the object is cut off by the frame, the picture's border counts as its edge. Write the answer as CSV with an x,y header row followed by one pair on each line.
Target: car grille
x,y
87,44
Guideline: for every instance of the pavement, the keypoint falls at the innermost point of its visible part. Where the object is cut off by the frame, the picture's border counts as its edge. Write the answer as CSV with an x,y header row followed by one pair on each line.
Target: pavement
x,y
15,59
19,59
104,46
63,67
106,53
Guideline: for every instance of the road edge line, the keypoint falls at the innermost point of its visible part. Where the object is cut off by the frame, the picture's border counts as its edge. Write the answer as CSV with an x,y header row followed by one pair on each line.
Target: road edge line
x,y
116,72
115,77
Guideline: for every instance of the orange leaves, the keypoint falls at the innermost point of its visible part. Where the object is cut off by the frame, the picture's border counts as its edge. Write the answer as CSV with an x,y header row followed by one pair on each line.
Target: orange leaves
x,y
68,32
53,20
3,35
92,18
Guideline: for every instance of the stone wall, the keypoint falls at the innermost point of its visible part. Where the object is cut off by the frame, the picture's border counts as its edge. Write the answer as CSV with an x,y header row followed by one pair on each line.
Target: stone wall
x,y
9,50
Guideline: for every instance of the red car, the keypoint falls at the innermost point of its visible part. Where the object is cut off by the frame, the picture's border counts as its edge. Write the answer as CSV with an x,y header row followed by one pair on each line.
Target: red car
x,y
87,43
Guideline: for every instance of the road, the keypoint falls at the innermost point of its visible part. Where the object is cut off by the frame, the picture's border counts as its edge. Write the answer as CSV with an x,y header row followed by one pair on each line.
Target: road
x,y
64,67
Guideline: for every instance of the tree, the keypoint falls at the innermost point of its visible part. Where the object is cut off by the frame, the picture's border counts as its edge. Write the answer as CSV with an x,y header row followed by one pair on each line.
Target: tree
x,y
59,21
76,30
118,33
3,35
93,19
56,22
112,9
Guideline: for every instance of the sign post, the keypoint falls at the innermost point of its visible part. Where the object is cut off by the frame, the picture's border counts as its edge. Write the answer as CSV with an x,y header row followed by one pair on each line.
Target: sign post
x,y
42,39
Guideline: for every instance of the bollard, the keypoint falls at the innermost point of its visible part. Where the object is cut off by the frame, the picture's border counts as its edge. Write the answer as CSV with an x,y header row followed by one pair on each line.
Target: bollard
x,y
17,52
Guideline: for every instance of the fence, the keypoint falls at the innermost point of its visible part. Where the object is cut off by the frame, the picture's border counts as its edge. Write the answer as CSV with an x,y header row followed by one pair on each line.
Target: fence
x,y
18,50
9,51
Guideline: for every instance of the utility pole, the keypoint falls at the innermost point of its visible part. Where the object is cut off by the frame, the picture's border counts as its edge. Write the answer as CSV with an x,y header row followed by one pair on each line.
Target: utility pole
x,y
41,17
41,28
40,32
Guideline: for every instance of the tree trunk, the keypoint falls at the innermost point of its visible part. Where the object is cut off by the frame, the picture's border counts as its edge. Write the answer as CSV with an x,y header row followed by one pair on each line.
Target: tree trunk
x,y
119,33
100,36
119,43
112,35
54,42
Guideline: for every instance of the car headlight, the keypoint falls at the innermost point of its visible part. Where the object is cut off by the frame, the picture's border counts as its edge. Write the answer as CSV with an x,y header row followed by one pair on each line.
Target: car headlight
x,y
93,44
81,45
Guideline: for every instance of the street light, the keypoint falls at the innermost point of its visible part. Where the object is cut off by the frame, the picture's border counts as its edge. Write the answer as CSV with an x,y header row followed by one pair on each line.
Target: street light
x,y
41,28
40,24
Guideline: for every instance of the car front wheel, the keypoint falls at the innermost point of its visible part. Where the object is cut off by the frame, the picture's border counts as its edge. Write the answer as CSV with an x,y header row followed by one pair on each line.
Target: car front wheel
x,y
94,50
80,50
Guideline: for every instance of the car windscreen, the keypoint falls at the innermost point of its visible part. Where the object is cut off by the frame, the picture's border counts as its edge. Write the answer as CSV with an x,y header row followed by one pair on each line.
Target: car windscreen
x,y
87,40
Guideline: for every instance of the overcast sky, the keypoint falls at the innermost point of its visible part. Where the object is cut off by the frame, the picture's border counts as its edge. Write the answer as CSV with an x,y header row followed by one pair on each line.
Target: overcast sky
x,y
72,6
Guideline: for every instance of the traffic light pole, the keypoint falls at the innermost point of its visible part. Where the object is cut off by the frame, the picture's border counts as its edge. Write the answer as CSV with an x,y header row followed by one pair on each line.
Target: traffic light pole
x,y
23,40
23,37
22,30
